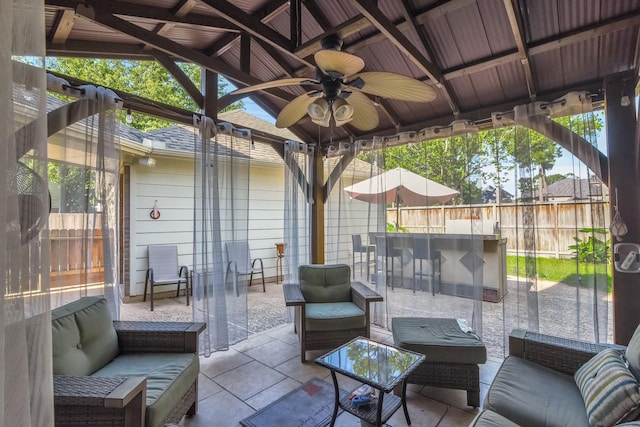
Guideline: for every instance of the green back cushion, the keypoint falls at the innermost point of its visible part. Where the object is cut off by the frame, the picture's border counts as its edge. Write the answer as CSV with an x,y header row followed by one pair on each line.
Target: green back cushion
x,y
633,353
325,283
83,337
610,391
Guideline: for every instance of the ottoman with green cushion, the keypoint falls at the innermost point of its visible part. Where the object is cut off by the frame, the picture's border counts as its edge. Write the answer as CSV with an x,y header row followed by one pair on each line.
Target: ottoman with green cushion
x,y
453,355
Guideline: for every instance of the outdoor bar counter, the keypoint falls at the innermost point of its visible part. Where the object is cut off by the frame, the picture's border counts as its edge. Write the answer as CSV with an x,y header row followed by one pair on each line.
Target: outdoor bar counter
x,y
460,255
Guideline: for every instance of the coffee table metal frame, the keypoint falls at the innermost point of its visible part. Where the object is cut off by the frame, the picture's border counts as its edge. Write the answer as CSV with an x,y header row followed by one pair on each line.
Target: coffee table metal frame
x,y
385,404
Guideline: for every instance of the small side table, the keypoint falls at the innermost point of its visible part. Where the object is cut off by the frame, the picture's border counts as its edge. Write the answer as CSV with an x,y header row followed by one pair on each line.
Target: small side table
x,y
379,365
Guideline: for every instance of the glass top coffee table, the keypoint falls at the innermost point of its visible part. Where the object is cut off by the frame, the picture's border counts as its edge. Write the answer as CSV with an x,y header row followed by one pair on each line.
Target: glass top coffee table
x,y
378,365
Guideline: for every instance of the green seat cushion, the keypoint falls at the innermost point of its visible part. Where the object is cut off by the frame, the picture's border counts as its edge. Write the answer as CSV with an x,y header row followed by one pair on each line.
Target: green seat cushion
x,y
609,389
169,376
532,395
325,283
83,337
335,316
440,339
491,419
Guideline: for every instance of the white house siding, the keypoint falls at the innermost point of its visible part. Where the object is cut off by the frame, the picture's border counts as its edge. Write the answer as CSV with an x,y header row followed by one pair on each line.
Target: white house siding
x,y
170,182
266,213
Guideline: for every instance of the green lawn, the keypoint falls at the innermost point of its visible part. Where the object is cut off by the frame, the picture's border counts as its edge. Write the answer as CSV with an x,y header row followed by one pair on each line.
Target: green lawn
x,y
567,271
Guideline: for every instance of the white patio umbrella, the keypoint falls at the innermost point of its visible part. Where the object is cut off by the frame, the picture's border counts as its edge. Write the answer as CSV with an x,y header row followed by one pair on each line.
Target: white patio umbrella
x,y
401,186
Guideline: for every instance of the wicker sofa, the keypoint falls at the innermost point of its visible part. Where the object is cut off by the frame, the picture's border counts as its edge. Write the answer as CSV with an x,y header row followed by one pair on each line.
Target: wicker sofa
x,y
535,385
121,373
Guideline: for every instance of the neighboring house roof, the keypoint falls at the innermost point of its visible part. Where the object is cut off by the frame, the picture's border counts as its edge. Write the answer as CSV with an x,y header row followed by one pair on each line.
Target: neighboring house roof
x,y
180,138
489,195
577,188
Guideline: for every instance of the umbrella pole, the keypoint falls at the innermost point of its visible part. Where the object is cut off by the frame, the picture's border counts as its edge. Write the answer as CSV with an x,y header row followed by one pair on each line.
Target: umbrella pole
x,y
397,211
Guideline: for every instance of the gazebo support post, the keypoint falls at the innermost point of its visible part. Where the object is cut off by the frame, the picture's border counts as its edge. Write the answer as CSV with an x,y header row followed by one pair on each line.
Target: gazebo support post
x,y
622,150
317,209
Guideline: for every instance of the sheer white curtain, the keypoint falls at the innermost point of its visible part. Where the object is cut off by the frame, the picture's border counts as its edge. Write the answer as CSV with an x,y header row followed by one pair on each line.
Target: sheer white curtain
x,y
221,215
26,381
420,270
579,307
299,159
348,219
84,172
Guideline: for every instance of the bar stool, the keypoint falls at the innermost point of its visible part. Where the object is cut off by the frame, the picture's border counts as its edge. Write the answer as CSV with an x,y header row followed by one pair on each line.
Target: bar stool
x,y
425,255
386,247
359,248
280,260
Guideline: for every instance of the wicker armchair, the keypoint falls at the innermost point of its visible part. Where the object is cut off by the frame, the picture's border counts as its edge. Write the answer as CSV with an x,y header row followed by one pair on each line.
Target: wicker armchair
x,y
119,396
329,309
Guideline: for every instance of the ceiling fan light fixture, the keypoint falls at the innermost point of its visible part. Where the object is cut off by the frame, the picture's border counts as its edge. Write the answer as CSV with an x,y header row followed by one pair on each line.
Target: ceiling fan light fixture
x,y
320,112
318,109
342,111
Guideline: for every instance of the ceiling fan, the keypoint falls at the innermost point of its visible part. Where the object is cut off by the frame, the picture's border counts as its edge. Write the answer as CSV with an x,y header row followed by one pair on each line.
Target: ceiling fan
x,y
340,93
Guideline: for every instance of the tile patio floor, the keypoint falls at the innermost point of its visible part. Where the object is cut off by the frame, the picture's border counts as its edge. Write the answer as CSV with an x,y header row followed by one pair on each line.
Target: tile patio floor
x,y
234,384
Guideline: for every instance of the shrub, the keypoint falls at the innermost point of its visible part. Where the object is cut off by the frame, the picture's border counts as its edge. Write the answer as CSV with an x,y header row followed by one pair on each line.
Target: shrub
x,y
592,249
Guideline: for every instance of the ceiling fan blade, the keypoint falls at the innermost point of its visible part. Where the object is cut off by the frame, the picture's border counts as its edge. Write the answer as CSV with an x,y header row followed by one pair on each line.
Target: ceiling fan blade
x,y
335,60
276,83
365,116
395,86
295,110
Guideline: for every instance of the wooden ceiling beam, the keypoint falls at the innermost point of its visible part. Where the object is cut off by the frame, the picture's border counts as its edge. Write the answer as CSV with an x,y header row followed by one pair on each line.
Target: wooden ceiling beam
x,y
518,35
65,19
287,70
369,9
448,90
177,50
254,27
482,65
482,116
88,49
359,23
225,42
585,33
318,15
182,9
347,28
149,12
295,23
181,78
388,28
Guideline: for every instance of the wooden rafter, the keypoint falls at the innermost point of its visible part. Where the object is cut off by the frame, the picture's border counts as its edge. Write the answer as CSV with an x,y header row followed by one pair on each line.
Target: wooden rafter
x,y
518,36
253,26
170,47
182,9
385,26
448,90
318,15
65,19
150,12
263,15
180,77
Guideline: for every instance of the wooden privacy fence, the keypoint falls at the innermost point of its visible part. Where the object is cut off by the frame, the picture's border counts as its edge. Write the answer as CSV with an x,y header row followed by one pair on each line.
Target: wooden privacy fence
x,y
555,223
76,252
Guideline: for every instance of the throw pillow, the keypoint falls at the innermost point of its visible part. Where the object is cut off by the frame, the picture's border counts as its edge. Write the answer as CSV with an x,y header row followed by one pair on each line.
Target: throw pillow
x,y
610,392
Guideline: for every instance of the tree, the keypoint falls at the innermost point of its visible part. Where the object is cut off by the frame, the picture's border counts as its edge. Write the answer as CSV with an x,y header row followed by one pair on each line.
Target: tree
x,y
457,162
533,152
147,79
